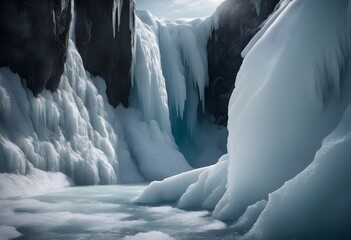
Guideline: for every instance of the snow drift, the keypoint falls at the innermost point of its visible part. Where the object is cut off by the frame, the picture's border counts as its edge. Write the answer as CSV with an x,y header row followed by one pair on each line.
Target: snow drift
x,y
291,92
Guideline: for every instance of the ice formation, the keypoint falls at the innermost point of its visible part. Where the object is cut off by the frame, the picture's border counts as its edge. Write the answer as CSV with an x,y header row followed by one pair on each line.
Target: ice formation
x,y
170,76
116,10
291,92
257,4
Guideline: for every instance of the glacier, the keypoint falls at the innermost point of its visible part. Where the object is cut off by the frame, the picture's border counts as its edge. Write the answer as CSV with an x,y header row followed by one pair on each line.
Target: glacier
x,y
287,158
283,172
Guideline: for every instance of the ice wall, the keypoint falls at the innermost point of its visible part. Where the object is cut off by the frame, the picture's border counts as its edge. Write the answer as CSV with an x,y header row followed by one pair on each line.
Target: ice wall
x,y
291,92
74,130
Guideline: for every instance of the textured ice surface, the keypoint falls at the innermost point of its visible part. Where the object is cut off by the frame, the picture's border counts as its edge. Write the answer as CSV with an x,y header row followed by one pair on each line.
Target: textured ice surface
x,y
73,130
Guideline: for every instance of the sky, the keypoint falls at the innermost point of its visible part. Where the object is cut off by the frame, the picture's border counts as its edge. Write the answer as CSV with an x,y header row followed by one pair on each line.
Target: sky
x,y
173,9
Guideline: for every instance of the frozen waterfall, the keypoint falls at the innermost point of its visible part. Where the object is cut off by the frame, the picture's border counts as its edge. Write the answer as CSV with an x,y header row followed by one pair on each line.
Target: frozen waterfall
x,y
170,77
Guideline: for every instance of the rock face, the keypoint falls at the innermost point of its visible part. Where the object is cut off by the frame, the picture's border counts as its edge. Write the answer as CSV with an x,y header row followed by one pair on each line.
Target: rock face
x,y
239,21
34,39
104,39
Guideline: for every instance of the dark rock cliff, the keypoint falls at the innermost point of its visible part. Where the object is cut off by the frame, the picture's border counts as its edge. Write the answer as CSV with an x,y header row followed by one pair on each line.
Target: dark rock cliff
x,y
104,54
34,39
238,23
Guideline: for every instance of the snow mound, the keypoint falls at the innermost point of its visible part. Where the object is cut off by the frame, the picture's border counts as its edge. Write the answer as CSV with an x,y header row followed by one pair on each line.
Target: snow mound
x,y
315,202
13,185
149,236
169,190
9,233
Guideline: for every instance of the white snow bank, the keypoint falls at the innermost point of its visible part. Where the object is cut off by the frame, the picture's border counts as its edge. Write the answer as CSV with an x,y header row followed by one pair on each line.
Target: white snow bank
x,y
36,181
149,236
208,189
170,189
316,203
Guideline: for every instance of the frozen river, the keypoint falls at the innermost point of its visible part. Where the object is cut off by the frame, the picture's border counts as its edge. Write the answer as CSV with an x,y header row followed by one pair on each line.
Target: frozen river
x,y
102,212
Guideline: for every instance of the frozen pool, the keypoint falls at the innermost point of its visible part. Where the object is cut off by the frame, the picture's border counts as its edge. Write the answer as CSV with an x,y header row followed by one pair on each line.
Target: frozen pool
x,y
102,212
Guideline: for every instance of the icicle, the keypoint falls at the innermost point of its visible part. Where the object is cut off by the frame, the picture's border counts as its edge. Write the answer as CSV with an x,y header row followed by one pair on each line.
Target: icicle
x,y
257,4
63,5
116,10
54,21
72,30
